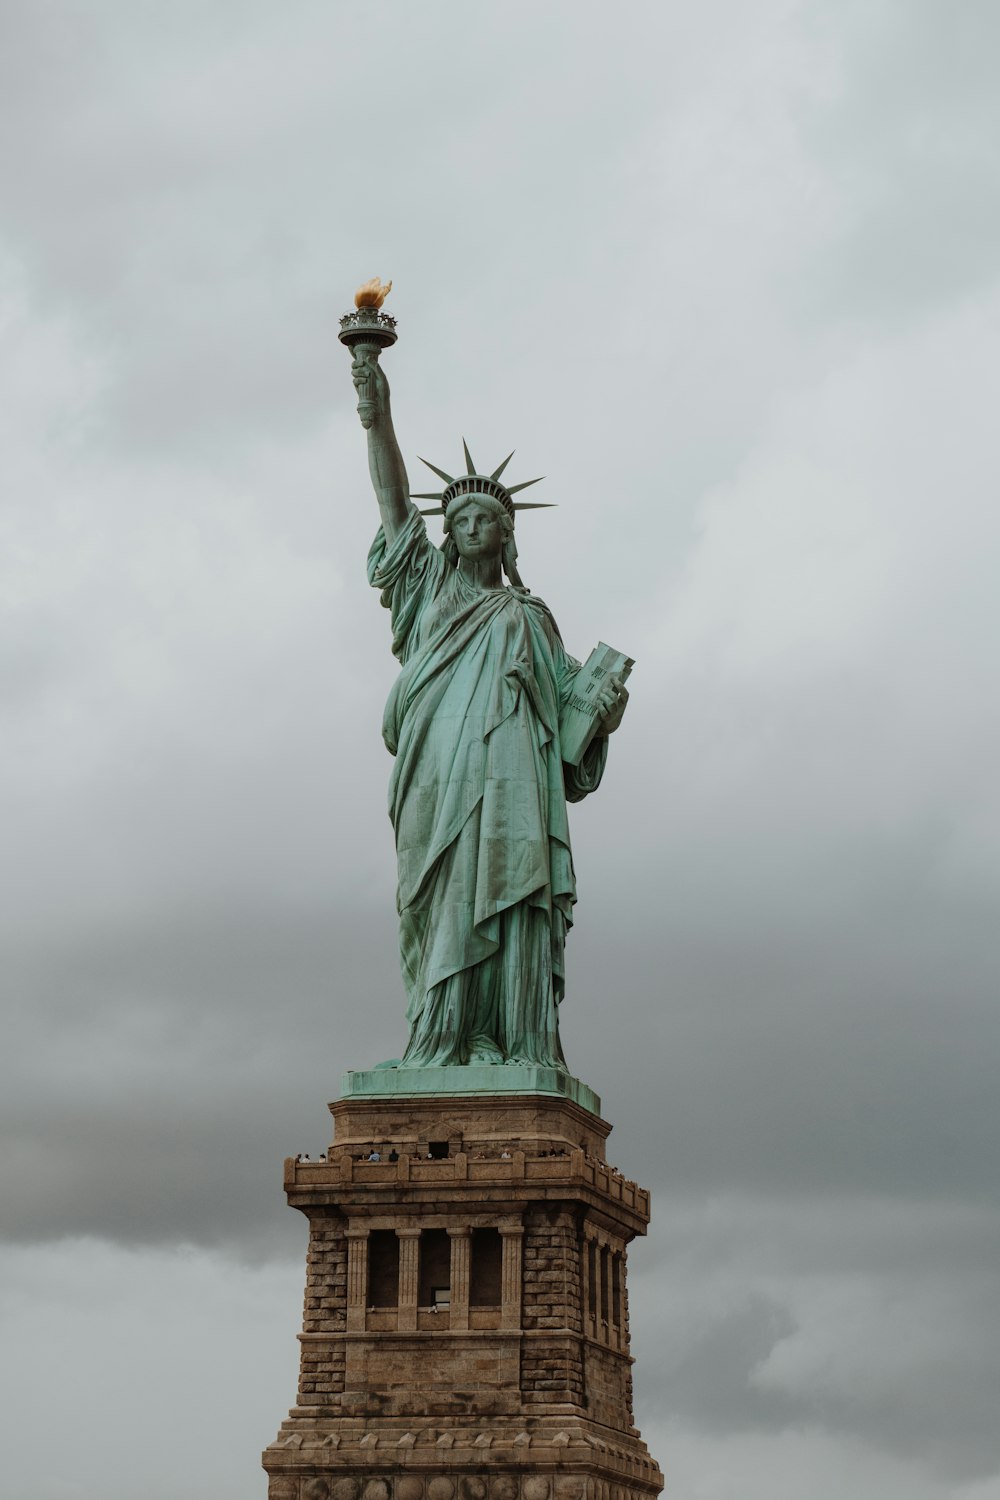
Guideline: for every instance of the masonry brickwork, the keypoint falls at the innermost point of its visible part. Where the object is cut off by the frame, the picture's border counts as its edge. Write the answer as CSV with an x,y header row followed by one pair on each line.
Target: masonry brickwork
x,y
465,1329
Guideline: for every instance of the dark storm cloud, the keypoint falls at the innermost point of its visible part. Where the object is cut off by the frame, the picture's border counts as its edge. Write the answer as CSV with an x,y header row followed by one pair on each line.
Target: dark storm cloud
x,y
845,1314
169,200
187,1060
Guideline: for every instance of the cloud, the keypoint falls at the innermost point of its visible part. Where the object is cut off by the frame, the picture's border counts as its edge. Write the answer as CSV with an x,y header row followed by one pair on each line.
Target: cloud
x,y
131,1335
784,1467
867,1318
902,143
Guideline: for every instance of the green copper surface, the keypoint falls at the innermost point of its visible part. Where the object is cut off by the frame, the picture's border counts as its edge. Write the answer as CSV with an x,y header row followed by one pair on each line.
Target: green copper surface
x,y
395,1083
479,789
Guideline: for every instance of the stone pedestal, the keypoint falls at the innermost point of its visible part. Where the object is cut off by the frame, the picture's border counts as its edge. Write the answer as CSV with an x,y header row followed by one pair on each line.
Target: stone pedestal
x,y
466,1328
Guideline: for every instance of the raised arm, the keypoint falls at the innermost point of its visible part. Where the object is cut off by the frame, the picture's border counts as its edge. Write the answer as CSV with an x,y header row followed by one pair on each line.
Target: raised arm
x,y
385,462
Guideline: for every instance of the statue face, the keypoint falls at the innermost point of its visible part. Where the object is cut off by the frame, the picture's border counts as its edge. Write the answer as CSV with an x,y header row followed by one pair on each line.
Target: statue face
x,y
477,531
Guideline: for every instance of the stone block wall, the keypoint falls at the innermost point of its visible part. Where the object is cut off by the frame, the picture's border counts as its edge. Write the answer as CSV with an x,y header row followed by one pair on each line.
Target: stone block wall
x,y
608,1377
321,1374
551,1285
517,1385
471,1485
325,1309
551,1371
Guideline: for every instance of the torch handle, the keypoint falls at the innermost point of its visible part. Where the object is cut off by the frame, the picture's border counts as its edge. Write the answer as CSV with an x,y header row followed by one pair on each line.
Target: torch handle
x,y
367,406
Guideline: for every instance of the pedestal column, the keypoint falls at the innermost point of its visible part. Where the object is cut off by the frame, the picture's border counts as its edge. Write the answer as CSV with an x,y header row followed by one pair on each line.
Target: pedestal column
x,y
409,1278
460,1265
510,1275
357,1278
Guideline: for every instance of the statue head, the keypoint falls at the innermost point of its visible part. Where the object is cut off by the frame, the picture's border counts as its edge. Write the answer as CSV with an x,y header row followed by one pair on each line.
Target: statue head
x,y
478,527
491,495
484,513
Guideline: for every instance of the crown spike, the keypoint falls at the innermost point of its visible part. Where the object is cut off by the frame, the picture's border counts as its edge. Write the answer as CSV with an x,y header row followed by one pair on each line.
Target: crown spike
x,y
431,495
470,467
512,489
534,504
448,478
497,472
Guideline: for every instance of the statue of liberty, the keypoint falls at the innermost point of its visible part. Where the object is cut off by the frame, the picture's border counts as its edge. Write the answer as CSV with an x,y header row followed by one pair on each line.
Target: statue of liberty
x,y
479,787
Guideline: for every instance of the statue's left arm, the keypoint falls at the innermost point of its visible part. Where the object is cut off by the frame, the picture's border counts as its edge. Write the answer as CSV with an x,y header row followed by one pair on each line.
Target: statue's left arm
x,y
582,779
613,700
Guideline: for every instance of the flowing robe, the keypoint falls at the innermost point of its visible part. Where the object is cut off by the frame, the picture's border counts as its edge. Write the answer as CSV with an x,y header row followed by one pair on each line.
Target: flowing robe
x,y
477,799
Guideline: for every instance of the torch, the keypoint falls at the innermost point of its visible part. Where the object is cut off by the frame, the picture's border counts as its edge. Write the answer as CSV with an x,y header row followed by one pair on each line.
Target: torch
x,y
366,332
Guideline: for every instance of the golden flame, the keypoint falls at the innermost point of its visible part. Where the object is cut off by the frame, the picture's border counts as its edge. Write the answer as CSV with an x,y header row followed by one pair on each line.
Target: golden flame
x,y
372,294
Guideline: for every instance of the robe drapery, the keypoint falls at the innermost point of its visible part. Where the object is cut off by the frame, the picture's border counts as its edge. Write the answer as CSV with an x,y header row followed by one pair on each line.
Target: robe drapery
x,y
477,798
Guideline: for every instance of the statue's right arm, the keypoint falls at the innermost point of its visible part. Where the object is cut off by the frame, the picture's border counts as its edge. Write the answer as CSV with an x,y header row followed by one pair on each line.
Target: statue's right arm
x,y
385,462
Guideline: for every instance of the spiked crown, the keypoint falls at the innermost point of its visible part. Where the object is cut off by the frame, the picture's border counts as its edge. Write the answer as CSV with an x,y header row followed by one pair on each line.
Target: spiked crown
x,y
474,483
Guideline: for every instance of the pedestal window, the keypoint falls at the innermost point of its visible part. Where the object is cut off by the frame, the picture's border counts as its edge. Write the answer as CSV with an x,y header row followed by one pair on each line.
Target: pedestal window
x,y
590,1253
605,1259
485,1286
435,1269
383,1268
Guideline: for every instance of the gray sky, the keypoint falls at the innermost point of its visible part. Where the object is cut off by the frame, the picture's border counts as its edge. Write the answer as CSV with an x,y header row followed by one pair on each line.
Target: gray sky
x,y
728,275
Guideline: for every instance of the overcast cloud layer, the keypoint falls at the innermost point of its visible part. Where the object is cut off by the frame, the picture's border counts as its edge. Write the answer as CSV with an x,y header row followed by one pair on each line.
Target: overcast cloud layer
x,y
728,275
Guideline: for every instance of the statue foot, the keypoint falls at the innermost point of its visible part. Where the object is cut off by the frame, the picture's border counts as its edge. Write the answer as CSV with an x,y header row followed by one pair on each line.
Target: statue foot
x,y
485,1054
